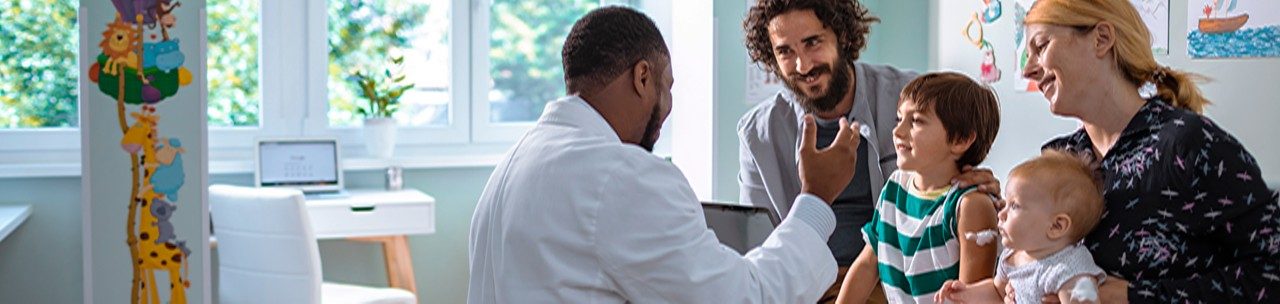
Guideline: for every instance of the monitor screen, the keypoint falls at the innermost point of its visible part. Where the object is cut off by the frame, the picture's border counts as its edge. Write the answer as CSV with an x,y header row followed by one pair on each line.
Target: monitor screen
x,y
298,163
729,219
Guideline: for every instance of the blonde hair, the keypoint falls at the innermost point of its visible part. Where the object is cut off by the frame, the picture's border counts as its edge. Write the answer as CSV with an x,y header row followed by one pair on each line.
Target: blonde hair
x,y
1073,185
1132,47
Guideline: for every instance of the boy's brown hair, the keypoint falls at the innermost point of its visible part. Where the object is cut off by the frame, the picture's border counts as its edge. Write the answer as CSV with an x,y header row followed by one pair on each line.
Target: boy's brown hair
x,y
1072,183
967,109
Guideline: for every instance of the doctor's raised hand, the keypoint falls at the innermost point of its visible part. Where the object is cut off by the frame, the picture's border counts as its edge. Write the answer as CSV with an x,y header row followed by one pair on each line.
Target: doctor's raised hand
x,y
825,173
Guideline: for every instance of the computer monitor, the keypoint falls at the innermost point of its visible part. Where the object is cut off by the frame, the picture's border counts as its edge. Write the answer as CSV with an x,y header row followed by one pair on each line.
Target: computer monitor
x,y
738,226
312,165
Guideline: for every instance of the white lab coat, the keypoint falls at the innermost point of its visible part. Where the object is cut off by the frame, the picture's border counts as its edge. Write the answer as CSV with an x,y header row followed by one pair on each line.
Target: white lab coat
x,y
574,215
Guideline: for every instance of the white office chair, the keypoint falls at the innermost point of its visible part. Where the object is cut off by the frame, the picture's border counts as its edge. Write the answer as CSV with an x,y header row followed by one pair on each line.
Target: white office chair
x,y
267,252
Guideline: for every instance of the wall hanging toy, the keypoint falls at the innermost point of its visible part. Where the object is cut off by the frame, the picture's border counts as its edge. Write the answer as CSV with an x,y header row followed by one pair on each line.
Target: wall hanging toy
x,y
141,70
992,10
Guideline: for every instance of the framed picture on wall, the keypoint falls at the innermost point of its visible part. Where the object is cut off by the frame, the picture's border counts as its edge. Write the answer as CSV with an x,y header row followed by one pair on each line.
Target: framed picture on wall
x,y
1233,28
1155,13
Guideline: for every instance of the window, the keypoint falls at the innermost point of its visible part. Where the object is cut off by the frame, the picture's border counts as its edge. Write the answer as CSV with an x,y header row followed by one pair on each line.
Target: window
x,y
365,35
38,71
234,90
518,43
482,72
524,55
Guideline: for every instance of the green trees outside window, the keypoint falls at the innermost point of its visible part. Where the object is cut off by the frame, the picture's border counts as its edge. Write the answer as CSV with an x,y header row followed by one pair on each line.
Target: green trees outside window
x,y
235,97
524,54
38,71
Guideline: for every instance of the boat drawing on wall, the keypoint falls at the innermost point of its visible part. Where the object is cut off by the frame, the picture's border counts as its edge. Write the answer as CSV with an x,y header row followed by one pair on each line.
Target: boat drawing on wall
x,y
1211,24
1233,28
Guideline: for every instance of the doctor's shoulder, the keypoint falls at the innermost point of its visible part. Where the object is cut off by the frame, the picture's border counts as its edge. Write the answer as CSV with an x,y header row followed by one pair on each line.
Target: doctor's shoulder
x,y
628,161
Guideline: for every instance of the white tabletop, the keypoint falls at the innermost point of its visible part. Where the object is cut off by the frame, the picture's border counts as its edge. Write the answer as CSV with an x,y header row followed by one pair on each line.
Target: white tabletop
x,y
370,212
11,217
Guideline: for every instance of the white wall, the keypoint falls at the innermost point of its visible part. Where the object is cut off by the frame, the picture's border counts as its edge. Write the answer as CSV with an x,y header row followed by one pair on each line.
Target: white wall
x,y
1245,92
692,53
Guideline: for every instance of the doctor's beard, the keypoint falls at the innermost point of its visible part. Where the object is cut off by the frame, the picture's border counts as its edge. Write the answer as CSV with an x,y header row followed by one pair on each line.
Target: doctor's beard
x,y
837,87
651,130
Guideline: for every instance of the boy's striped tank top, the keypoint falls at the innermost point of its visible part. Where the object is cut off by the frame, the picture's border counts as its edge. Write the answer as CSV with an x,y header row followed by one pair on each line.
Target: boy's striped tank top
x,y
914,238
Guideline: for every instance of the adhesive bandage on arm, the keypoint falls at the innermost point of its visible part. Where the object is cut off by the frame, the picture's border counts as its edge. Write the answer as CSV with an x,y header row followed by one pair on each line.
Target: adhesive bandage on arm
x,y
982,237
1085,290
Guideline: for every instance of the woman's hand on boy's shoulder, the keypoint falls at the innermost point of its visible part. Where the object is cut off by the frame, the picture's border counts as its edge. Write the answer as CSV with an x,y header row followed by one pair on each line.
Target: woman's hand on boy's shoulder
x,y
982,177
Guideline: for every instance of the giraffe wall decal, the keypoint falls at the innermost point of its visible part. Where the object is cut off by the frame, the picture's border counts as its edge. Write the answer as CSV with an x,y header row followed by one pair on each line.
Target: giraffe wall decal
x,y
139,82
156,246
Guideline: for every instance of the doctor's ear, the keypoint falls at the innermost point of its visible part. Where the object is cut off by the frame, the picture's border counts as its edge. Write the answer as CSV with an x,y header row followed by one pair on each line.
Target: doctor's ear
x,y
642,77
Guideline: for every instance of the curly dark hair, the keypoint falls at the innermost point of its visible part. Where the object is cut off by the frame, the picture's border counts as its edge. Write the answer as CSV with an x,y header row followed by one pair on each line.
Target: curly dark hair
x,y
849,19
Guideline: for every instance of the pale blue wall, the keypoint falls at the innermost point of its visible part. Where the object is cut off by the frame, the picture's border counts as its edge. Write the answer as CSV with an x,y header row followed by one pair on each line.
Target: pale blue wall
x,y
901,37
730,97
41,261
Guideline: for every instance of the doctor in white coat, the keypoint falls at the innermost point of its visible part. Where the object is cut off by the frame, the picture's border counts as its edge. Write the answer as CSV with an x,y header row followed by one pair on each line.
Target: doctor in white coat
x,y
580,211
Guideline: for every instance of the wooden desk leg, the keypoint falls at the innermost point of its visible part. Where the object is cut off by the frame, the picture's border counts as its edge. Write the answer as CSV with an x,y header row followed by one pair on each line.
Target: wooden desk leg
x,y
395,250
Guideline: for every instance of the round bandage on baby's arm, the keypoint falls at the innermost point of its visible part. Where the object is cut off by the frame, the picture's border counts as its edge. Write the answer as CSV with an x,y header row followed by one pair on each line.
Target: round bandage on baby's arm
x,y
1085,290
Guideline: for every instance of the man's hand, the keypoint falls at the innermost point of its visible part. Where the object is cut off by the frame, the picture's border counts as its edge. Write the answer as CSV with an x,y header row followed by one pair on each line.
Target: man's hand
x,y
986,181
825,173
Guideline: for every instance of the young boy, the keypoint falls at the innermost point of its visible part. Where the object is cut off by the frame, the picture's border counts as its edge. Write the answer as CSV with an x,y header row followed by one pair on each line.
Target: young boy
x,y
1053,202
946,121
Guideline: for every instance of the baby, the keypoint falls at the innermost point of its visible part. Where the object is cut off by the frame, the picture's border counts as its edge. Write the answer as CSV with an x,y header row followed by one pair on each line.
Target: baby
x,y
1053,201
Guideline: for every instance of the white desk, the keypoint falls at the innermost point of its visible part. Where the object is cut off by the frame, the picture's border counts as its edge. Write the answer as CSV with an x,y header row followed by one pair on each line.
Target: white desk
x,y
371,213
379,216
11,217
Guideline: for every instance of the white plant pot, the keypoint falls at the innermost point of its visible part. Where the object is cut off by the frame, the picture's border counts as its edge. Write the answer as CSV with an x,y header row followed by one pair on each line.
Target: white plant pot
x,y
380,137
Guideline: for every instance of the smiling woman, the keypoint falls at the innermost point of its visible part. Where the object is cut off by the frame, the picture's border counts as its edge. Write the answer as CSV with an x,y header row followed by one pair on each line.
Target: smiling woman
x,y
1187,209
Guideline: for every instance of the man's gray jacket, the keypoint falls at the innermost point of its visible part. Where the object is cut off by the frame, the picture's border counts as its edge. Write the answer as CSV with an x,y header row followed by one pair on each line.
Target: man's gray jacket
x,y
769,135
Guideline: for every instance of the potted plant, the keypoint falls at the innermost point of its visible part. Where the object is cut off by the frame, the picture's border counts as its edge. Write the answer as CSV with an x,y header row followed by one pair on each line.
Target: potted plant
x,y
382,91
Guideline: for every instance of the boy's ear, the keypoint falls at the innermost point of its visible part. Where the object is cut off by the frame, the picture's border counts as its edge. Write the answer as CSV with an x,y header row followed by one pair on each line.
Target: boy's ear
x,y
960,146
1061,226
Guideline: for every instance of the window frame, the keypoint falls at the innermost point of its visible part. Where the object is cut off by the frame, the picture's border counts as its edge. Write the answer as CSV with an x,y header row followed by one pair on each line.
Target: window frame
x,y
483,129
317,54
470,139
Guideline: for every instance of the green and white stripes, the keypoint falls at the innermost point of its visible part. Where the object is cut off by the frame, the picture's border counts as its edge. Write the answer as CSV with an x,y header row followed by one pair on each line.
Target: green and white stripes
x,y
914,239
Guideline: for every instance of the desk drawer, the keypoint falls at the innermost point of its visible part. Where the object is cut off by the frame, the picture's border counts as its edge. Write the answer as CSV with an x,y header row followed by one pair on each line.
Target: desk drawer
x,y
343,219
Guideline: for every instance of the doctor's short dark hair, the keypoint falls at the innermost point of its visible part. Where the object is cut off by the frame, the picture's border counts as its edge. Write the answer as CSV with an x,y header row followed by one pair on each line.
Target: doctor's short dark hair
x,y
965,107
849,19
607,42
